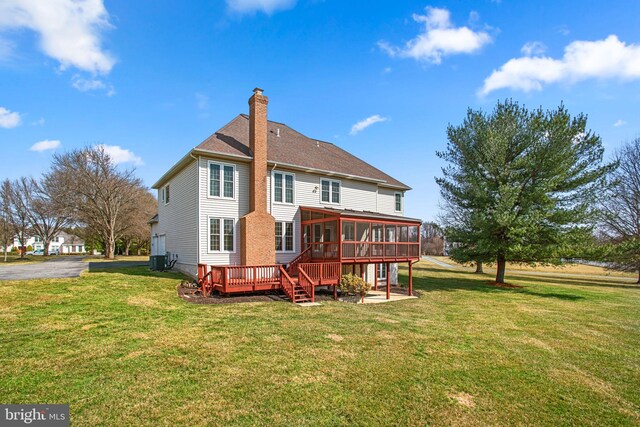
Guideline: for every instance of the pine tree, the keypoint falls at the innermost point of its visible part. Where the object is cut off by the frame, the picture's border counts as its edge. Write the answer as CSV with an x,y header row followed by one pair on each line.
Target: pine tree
x,y
525,184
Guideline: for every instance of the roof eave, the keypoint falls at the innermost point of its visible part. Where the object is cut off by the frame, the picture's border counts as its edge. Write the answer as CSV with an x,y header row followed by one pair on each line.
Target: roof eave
x,y
188,158
380,182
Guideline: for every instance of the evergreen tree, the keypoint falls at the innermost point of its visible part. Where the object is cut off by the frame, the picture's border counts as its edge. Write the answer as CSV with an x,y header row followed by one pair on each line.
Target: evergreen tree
x,y
525,184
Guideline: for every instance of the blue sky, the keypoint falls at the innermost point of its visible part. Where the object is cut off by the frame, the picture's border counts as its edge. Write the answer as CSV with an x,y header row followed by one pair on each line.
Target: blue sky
x,y
152,79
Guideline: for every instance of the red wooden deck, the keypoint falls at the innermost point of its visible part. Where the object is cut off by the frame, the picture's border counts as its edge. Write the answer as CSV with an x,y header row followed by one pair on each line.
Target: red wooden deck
x,y
300,288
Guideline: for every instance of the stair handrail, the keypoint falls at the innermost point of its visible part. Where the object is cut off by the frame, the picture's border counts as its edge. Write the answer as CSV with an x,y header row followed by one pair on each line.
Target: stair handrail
x,y
294,264
290,291
307,284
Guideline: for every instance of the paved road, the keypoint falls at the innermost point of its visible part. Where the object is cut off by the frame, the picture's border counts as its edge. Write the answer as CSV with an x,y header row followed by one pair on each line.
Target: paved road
x,y
438,263
52,269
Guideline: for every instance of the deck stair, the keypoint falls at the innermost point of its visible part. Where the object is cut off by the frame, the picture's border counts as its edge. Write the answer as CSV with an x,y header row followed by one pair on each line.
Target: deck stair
x,y
291,287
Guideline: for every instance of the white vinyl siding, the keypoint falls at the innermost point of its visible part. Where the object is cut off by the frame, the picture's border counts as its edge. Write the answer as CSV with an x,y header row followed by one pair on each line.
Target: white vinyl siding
x,y
178,221
387,201
220,207
221,180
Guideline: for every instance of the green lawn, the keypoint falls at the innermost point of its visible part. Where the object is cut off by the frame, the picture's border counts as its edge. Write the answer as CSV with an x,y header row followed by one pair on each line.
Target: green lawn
x,y
122,349
27,259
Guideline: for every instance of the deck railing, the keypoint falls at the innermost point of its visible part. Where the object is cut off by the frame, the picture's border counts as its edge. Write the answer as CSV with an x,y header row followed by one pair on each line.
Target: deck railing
x,y
293,265
380,250
323,273
287,284
305,282
231,278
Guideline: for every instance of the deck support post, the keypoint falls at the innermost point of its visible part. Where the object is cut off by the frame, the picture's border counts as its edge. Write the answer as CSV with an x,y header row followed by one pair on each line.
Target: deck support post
x,y
335,292
388,281
375,278
410,278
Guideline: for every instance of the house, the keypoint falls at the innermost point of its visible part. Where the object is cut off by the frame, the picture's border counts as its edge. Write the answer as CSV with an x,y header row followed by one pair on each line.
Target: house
x,y
62,243
256,200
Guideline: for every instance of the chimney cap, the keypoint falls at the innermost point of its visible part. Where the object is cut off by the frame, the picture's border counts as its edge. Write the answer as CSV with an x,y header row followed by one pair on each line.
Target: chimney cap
x,y
258,91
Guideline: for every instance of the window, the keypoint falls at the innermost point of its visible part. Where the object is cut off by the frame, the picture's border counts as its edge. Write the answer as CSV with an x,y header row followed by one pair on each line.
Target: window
x,y
381,271
166,195
222,180
330,191
221,232
399,202
283,187
284,236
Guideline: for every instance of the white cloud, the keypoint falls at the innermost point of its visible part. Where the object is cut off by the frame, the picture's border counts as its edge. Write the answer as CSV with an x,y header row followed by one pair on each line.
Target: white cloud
x,y
601,59
533,49
252,6
70,31
363,124
85,85
6,49
439,38
619,123
9,119
38,122
121,155
47,144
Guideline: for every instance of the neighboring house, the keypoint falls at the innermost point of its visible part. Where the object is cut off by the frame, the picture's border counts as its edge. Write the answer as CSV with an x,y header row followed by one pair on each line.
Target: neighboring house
x,y
63,243
258,193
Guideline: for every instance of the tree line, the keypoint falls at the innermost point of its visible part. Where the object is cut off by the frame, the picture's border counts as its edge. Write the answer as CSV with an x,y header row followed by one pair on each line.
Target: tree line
x,y
83,193
532,187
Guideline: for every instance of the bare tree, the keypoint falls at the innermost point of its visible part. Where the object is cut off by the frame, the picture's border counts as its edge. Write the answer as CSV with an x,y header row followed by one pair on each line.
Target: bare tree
x,y
135,227
621,210
432,238
6,226
46,215
18,212
99,194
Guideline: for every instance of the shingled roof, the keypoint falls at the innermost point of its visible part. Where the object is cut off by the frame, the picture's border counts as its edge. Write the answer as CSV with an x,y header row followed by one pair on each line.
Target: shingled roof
x,y
293,149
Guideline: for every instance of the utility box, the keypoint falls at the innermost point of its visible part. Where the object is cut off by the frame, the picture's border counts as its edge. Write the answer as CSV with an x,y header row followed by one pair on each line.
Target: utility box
x,y
157,262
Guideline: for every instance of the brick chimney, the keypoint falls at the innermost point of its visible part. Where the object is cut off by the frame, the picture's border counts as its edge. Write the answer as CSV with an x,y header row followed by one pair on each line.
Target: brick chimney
x,y
257,228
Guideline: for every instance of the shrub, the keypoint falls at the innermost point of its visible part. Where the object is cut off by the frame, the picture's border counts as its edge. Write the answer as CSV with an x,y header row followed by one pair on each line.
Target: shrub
x,y
350,284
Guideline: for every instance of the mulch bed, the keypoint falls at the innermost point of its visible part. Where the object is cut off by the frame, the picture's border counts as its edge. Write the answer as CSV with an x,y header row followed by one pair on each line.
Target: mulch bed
x,y
194,296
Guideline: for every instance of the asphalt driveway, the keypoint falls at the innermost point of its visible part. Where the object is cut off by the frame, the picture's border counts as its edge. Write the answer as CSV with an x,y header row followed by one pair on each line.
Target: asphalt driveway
x,y
56,268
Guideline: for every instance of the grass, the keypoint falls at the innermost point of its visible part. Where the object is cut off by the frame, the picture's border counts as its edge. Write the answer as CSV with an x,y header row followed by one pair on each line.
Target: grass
x,y
122,349
28,259
100,258
568,268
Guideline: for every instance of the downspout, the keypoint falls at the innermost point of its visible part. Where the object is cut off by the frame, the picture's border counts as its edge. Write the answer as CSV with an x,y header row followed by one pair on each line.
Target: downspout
x,y
197,159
